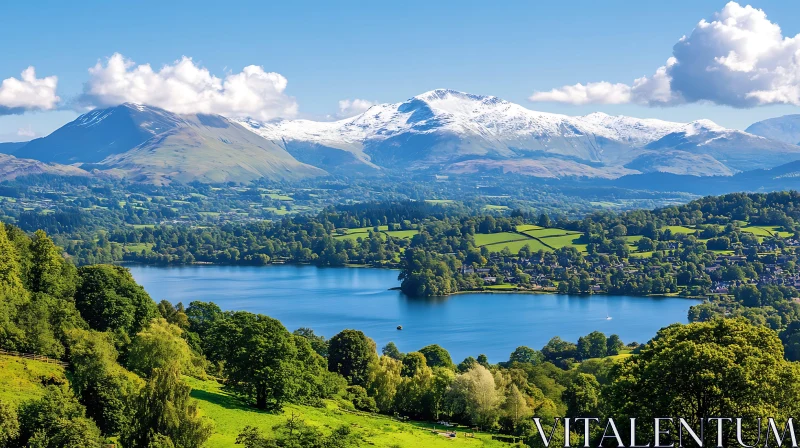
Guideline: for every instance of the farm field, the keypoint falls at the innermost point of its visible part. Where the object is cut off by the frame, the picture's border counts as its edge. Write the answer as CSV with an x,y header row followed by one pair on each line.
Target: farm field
x,y
230,417
550,231
765,231
485,239
515,246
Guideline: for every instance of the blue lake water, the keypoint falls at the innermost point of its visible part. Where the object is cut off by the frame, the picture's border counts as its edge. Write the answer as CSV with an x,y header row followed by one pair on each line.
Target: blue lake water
x,y
332,299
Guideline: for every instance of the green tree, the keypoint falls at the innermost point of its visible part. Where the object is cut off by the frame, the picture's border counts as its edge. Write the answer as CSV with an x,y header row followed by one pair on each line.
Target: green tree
x,y
260,358
582,396
9,424
102,385
349,354
526,355
708,369
49,272
392,351
57,420
318,343
164,409
157,345
109,298
614,345
413,363
436,356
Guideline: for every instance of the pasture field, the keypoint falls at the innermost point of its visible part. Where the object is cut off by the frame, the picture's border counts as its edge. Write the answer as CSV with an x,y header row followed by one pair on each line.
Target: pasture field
x,y
550,231
574,240
515,246
765,231
526,227
401,233
484,239
680,229
231,416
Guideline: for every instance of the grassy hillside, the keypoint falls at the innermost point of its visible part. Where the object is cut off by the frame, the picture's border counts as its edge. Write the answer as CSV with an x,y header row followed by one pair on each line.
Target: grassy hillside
x,y
24,379
231,417
209,148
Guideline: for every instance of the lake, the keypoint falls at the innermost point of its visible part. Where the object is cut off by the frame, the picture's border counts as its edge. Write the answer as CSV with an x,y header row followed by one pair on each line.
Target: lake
x,y
332,299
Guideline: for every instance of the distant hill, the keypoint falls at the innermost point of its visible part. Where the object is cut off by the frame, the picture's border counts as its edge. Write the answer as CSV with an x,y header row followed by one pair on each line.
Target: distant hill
x,y
10,147
785,129
12,167
153,145
456,132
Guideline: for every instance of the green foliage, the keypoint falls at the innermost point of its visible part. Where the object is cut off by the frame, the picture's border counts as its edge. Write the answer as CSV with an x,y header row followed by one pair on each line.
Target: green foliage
x,y
392,351
296,433
9,424
164,410
157,345
262,360
526,355
700,370
350,353
102,385
318,343
57,420
436,356
109,298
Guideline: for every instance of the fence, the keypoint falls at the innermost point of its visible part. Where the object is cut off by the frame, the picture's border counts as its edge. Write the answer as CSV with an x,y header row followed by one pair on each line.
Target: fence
x,y
34,357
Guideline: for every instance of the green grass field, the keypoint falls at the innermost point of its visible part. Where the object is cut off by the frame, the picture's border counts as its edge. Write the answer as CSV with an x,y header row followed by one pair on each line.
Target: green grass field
x,y
765,231
230,417
526,227
550,231
680,229
515,246
574,240
22,379
484,239
401,233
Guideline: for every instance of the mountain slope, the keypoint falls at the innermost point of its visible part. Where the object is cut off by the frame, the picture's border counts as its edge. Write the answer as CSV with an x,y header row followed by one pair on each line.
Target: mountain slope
x,y
153,145
12,167
737,150
100,133
785,129
456,132
210,149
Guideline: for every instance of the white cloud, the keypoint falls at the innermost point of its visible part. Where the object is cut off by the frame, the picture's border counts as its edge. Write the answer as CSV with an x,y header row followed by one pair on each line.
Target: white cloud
x,y
593,92
184,88
739,59
26,132
348,108
28,93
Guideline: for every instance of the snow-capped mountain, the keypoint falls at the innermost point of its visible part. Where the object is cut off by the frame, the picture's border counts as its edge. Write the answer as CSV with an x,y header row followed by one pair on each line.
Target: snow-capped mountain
x,y
785,128
451,131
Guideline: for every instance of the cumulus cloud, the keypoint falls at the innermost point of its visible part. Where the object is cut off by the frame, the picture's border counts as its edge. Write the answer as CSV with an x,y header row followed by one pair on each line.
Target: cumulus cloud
x,y
184,87
740,59
28,93
348,108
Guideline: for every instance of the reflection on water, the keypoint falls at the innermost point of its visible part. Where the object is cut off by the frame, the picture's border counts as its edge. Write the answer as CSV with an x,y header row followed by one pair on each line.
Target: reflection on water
x,y
332,299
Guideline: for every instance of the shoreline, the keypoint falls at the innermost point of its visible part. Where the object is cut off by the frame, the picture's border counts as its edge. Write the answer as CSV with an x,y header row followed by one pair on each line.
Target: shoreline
x,y
397,288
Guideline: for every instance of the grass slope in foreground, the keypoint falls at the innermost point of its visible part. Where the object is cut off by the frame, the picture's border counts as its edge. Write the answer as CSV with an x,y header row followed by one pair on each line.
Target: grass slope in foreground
x,y
24,379
230,417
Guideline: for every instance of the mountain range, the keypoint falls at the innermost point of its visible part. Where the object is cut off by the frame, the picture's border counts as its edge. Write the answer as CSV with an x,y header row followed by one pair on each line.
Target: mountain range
x,y
437,132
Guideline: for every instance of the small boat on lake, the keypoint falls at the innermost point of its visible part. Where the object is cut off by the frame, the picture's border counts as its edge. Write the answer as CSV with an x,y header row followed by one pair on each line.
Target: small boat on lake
x,y
399,327
608,317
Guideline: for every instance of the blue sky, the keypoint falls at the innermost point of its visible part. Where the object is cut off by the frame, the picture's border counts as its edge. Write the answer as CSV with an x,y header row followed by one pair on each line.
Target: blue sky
x,y
376,51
